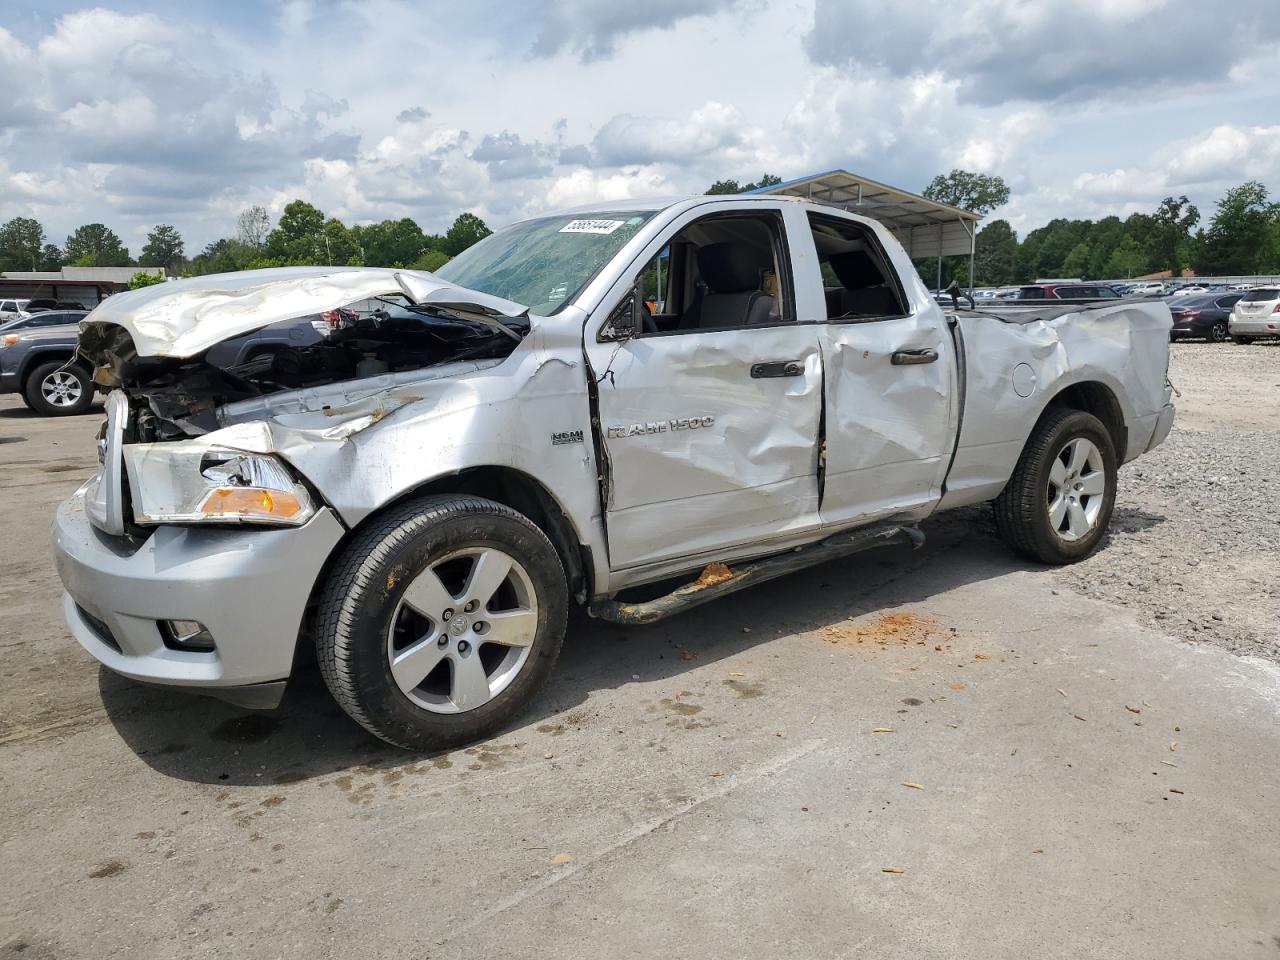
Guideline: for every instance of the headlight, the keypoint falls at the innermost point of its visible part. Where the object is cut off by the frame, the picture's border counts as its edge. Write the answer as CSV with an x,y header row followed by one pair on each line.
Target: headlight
x,y
192,483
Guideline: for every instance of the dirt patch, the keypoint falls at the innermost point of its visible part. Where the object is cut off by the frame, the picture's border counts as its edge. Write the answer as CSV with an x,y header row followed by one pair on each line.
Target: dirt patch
x,y
893,629
681,708
745,690
108,868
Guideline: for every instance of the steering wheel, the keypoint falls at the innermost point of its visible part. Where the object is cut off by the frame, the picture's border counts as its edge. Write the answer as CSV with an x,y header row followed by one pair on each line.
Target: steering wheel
x,y
648,323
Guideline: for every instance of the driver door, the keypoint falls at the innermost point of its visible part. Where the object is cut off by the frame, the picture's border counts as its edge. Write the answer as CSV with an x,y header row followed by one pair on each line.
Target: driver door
x,y
709,417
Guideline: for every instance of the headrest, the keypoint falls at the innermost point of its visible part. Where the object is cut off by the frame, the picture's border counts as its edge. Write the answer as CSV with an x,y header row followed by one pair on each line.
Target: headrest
x,y
856,270
731,267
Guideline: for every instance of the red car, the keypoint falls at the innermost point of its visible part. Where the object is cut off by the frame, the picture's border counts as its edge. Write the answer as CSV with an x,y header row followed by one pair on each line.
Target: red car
x,y
1067,291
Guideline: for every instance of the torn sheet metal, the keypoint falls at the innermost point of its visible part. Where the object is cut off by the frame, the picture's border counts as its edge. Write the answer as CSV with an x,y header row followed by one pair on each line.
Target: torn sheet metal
x,y
182,318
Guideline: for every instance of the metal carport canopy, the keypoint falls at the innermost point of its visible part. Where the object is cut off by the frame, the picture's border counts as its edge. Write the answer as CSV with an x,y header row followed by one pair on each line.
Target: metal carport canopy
x,y
925,227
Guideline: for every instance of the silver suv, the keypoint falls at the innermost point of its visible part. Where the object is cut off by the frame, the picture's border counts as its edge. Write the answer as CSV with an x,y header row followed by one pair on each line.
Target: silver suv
x,y
1256,315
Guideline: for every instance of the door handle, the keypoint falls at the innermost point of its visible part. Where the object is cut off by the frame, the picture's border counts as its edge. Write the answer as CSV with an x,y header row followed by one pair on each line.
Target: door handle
x,y
777,368
906,358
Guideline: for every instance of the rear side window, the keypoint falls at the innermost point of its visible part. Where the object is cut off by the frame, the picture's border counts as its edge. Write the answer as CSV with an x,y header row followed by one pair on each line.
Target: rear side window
x,y
857,281
1262,295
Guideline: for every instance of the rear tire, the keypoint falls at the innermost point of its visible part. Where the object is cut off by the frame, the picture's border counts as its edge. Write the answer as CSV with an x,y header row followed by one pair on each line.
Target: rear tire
x,y
56,388
408,651
1242,340
1058,503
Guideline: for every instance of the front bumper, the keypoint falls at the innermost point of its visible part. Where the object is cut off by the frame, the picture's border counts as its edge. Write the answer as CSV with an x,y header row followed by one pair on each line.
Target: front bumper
x,y
1265,326
249,587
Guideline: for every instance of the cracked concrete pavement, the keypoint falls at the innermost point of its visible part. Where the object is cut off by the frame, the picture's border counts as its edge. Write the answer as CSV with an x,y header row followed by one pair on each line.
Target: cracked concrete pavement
x,y
1053,776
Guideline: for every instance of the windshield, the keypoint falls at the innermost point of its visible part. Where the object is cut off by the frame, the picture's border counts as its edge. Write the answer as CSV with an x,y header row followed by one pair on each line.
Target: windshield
x,y
542,263
1264,294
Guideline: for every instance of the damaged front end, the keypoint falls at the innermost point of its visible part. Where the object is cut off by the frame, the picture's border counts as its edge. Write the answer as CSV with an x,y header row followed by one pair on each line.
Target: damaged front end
x,y
386,328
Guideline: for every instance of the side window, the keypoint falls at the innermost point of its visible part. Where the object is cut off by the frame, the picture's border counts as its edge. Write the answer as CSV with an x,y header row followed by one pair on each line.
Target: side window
x,y
857,281
723,272
6,305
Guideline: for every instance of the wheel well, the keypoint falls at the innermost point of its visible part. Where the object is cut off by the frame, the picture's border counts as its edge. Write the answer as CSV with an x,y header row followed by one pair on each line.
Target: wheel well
x,y
1097,399
520,492
44,356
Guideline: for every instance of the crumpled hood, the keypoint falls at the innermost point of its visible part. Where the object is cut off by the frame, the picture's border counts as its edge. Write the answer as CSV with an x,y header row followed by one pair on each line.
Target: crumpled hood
x,y
182,318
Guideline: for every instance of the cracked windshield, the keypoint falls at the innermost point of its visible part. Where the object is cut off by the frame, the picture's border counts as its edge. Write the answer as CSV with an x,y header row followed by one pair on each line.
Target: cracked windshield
x,y
543,263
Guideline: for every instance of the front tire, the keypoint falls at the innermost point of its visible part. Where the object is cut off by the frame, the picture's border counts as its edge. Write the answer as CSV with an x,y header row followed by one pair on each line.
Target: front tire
x,y
1058,503
58,389
1218,333
441,621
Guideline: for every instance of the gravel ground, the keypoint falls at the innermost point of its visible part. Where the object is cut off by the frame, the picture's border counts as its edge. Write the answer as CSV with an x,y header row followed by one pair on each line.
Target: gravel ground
x,y
1195,542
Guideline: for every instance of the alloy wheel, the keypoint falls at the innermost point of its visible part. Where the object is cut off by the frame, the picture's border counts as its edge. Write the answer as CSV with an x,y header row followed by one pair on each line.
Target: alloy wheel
x,y
61,389
1077,485
463,630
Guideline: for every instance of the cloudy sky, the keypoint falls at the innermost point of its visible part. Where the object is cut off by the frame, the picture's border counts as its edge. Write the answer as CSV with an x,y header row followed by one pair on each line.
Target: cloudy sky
x,y
140,113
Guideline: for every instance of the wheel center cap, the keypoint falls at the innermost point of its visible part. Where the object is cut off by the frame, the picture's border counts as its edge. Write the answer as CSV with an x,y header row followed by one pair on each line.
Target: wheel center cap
x,y
458,625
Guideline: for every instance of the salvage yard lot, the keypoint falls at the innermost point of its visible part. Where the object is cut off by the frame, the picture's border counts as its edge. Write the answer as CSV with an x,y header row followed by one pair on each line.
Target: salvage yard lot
x,y
942,753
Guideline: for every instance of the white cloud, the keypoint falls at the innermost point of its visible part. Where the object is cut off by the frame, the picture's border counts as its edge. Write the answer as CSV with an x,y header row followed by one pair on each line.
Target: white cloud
x,y
1216,158
390,108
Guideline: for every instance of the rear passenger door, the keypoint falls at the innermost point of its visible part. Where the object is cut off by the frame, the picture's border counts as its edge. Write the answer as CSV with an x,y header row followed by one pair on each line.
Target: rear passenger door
x,y
890,371
709,417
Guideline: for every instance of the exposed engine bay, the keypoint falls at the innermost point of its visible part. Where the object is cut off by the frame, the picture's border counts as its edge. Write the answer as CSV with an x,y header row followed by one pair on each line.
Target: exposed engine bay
x,y
176,398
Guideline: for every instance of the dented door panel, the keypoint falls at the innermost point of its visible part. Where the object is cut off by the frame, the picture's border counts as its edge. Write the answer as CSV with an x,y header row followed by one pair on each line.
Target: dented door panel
x,y
701,454
889,426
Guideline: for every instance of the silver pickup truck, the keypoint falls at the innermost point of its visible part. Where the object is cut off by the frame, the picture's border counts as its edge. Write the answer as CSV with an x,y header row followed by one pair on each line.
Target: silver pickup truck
x,y
636,407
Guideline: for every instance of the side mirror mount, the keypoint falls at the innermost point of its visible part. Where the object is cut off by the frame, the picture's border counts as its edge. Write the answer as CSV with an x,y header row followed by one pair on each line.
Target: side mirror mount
x,y
625,322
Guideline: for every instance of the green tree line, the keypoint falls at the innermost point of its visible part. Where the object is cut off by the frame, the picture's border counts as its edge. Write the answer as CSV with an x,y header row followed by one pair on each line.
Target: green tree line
x,y
1242,236
304,236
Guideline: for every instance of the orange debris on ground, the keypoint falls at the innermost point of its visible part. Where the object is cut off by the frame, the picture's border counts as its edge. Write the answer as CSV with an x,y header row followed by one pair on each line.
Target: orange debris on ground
x,y
712,574
890,628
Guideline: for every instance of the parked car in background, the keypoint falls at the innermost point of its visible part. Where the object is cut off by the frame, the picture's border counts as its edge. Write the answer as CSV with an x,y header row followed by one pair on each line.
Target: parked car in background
x,y
1067,291
38,305
1147,288
45,318
12,309
39,363
1204,316
1256,316
1190,290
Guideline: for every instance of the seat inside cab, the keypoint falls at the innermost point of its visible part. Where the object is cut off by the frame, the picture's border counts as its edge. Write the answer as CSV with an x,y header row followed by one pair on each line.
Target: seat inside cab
x,y
855,277
719,273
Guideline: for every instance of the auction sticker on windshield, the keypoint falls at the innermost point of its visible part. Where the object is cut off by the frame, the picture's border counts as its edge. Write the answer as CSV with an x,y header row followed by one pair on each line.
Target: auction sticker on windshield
x,y
591,226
